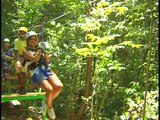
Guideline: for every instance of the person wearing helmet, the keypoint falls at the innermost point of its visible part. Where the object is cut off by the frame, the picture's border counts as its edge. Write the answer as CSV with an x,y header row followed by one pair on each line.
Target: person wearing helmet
x,y
19,45
37,61
7,55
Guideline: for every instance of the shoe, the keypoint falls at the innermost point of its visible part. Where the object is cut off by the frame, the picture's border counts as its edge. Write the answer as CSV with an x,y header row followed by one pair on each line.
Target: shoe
x,y
51,113
43,108
22,91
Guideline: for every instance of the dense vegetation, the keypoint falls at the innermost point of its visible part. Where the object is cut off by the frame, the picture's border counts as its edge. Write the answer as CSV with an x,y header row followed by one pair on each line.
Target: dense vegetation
x,y
105,52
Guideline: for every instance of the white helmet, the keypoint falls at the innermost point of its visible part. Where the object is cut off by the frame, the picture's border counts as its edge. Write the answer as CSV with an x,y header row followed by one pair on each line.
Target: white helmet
x,y
30,33
6,40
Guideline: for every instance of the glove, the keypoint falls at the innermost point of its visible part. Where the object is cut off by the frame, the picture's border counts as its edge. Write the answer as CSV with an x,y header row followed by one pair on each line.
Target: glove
x,y
43,45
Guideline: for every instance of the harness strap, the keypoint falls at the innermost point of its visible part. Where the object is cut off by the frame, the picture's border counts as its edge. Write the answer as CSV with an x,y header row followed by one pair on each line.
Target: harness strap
x,y
44,71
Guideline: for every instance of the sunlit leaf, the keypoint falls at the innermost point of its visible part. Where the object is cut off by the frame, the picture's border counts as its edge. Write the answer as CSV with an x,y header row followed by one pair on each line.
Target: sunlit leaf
x,y
91,37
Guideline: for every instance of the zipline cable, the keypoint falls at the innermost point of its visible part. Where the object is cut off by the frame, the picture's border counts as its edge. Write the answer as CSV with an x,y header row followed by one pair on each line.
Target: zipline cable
x,y
40,25
43,22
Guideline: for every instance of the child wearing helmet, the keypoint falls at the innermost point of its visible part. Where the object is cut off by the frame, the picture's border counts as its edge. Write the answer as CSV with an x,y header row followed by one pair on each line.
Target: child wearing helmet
x,y
19,45
37,63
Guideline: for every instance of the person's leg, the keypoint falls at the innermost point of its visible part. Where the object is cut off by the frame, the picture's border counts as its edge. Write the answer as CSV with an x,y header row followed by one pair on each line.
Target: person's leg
x,y
18,73
56,84
23,80
52,87
21,77
5,78
49,90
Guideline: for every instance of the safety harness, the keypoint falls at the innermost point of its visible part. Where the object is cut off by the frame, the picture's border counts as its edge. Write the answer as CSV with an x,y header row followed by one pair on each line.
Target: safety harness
x,y
39,66
39,69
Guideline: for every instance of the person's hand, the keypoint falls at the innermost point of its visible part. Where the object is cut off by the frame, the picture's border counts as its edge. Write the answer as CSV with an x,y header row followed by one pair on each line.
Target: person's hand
x,y
18,63
40,50
8,58
11,58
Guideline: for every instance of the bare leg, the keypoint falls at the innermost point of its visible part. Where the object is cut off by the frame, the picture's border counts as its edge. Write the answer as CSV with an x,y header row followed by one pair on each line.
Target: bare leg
x,y
19,75
49,90
52,87
56,84
23,79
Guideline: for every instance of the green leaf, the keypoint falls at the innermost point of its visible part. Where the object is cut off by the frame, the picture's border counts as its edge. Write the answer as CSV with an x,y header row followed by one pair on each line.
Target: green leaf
x,y
136,45
121,9
91,37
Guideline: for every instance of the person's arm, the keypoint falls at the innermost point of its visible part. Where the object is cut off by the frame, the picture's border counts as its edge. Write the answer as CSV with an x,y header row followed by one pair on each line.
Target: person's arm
x,y
47,58
17,56
29,56
6,57
11,56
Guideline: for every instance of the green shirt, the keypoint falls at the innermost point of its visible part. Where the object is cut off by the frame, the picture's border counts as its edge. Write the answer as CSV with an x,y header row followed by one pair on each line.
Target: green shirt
x,y
20,45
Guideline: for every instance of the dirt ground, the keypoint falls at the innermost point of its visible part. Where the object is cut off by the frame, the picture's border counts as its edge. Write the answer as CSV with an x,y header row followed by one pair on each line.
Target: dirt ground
x,y
17,112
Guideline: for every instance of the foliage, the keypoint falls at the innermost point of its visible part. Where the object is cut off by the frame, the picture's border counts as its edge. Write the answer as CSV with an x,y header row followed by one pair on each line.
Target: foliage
x,y
135,106
115,34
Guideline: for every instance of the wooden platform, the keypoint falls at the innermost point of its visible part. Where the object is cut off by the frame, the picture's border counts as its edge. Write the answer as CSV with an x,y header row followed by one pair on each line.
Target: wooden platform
x,y
12,84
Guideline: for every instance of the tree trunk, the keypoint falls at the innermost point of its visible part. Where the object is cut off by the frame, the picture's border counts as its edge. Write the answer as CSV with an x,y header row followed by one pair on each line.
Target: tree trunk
x,y
83,107
87,88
